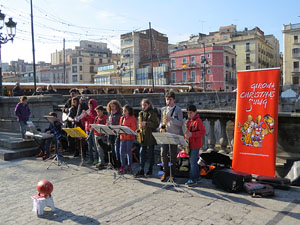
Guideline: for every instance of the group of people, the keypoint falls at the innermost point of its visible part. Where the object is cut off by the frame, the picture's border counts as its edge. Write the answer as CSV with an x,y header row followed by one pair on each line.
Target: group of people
x,y
81,112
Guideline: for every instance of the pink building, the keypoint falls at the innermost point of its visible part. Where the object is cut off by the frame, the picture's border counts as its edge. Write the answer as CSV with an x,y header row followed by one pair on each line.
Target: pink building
x,y
218,66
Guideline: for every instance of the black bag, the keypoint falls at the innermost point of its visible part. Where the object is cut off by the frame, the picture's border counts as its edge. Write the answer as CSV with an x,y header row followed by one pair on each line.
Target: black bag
x,y
217,159
229,180
276,182
258,190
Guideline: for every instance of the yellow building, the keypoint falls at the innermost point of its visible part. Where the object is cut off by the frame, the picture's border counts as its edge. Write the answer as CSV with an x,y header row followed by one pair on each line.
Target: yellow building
x,y
291,54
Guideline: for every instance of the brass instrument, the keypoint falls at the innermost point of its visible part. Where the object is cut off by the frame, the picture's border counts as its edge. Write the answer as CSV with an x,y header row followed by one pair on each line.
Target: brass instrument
x,y
164,122
187,148
139,131
77,118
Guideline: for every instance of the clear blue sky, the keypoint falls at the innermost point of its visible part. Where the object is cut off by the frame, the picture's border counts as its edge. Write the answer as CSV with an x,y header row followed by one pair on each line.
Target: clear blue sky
x,y
105,20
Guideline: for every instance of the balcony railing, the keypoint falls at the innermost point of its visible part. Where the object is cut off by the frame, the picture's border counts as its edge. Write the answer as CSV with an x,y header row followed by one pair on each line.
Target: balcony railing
x,y
296,55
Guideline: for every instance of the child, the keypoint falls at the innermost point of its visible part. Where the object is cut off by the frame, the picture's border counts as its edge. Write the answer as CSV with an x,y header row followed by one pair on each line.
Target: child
x,y
22,111
88,118
100,119
126,140
194,132
54,128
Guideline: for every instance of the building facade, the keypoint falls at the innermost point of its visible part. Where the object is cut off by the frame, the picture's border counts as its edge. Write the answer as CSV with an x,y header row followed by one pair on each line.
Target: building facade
x,y
291,54
136,48
110,73
212,68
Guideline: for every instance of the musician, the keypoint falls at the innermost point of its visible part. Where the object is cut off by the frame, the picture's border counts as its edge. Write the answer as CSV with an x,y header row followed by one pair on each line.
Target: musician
x,y
171,122
88,118
54,128
194,132
74,93
148,122
114,110
126,140
100,119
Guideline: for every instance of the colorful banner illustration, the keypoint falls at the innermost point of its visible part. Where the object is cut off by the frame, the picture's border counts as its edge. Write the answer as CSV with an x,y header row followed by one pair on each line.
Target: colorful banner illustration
x,y
256,121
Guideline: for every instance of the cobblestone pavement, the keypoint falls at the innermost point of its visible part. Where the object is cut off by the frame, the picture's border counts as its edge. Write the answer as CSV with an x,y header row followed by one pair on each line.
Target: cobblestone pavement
x,y
83,195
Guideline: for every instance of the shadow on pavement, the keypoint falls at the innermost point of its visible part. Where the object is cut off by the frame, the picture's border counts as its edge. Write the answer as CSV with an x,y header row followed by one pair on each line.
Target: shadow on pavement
x,y
60,215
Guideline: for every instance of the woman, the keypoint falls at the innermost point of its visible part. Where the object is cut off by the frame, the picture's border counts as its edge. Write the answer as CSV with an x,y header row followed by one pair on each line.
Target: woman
x,y
148,123
114,110
126,140
194,132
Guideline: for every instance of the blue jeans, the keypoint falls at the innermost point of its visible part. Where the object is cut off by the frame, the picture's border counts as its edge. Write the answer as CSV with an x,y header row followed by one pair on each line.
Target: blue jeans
x,y
46,144
23,128
143,156
125,150
194,167
91,145
114,141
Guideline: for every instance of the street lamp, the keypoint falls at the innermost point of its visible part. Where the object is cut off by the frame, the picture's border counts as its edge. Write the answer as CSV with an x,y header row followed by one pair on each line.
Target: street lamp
x,y
204,62
11,33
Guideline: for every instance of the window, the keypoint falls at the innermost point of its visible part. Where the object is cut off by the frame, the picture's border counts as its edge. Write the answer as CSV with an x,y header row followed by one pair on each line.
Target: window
x,y
247,67
184,76
173,63
91,69
80,76
89,46
247,57
74,69
247,46
74,78
208,55
74,60
295,80
202,74
296,39
233,46
193,59
173,77
296,65
80,68
208,71
80,59
100,61
92,54
184,60
193,76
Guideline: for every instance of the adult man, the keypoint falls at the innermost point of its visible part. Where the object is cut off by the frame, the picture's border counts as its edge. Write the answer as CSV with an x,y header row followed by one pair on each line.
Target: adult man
x,y
17,91
171,122
86,91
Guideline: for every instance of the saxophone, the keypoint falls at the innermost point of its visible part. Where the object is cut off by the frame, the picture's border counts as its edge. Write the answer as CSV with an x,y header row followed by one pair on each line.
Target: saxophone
x,y
164,122
187,148
139,131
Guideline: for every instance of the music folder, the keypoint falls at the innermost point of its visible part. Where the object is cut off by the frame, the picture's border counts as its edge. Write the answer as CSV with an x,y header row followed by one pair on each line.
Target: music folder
x,y
122,129
168,138
75,132
103,129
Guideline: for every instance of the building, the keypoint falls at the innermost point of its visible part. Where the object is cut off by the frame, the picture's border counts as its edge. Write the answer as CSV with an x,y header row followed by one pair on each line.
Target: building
x,y
136,48
217,64
254,50
60,75
291,54
83,61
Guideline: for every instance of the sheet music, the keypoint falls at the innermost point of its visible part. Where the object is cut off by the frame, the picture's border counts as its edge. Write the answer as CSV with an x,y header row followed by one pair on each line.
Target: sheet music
x,y
39,135
168,138
122,129
103,129
76,132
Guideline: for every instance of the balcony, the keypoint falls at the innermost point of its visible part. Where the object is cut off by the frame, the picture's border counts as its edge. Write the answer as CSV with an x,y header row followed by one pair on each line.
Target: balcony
x,y
247,61
296,55
227,64
247,50
92,63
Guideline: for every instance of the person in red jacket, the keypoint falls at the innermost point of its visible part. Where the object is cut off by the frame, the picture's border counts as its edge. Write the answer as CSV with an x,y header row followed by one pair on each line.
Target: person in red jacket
x,y
88,118
126,140
194,132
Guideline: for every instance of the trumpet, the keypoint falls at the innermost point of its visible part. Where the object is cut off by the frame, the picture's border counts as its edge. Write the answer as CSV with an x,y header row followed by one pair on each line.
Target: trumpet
x,y
139,131
187,148
164,122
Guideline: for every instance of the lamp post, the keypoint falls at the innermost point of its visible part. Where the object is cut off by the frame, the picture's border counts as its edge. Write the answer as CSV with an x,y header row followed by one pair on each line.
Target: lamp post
x,y
204,62
11,33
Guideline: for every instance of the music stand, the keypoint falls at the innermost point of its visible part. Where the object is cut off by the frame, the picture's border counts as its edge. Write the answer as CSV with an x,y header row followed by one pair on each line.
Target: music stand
x,y
77,133
170,139
118,129
103,129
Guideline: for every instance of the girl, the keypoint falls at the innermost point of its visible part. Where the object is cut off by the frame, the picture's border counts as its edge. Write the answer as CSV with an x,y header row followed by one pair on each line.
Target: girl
x,y
22,112
148,123
194,132
114,110
126,140
88,118
100,119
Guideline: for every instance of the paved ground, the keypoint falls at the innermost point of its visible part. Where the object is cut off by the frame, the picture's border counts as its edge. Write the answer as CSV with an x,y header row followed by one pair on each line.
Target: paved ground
x,y
83,195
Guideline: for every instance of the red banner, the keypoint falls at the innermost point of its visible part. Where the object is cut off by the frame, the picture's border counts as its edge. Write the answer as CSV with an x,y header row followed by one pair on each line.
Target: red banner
x,y
256,121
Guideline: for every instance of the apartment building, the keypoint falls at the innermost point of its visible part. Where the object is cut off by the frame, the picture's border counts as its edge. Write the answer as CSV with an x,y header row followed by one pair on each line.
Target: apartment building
x,y
211,67
253,48
291,54
136,48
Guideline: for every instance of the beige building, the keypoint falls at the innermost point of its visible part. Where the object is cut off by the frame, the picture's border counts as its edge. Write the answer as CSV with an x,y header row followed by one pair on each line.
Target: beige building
x,y
135,48
291,54
254,50
84,60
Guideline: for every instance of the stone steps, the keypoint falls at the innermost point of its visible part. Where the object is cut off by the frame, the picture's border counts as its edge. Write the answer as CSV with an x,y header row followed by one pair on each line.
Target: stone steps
x,y
12,146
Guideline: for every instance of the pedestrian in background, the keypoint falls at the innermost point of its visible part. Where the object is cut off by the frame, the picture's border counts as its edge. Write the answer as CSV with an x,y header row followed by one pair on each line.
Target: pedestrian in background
x,y
22,112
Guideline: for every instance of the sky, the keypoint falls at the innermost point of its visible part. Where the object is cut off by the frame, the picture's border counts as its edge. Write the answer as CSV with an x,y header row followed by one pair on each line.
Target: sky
x,y
106,20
